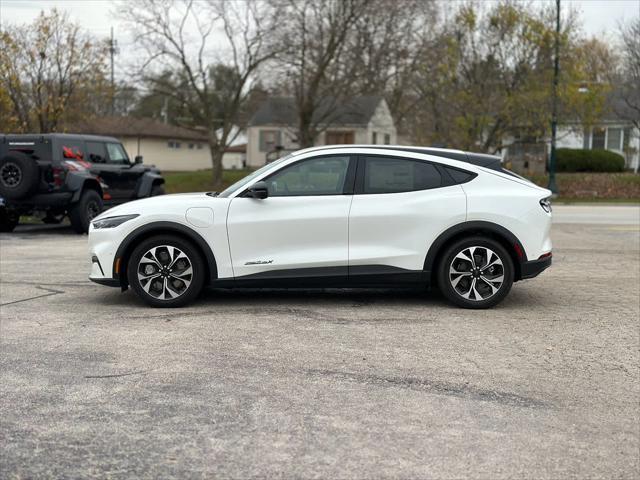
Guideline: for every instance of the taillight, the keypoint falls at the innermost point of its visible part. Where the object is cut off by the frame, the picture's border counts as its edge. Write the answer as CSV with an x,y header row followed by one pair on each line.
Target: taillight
x,y
58,176
545,203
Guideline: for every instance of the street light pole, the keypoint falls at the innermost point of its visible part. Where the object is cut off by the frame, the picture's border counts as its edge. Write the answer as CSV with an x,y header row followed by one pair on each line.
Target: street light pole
x,y
554,105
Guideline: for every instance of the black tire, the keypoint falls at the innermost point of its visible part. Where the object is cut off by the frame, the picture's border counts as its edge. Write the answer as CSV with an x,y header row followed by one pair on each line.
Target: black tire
x,y
19,176
157,295
491,284
157,190
8,220
86,209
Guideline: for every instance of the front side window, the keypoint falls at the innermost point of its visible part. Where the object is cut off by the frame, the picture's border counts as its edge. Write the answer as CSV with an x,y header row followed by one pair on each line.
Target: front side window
x,y
318,176
396,175
97,152
240,184
117,153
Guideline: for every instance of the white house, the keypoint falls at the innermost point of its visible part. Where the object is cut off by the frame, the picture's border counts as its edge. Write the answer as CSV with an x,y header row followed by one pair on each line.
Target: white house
x,y
168,147
613,132
364,120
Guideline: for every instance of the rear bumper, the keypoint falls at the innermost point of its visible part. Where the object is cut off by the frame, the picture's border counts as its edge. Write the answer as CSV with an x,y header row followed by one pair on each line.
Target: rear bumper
x,y
535,267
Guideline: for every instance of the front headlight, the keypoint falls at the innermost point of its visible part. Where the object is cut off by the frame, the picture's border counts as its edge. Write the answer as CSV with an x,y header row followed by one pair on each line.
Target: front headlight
x,y
110,222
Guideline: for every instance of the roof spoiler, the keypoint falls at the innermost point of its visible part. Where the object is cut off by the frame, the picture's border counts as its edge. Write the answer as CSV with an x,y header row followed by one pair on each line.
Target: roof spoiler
x,y
492,162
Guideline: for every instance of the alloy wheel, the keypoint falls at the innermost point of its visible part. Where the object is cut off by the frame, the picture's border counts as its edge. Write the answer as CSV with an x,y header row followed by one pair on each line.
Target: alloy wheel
x,y
165,272
476,273
93,210
10,175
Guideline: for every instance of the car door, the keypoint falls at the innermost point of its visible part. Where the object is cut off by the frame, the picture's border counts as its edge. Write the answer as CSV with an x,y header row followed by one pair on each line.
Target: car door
x,y
399,207
124,178
301,228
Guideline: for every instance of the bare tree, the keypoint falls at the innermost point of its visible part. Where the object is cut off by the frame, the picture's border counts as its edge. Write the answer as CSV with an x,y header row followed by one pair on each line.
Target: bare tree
x,y
186,38
313,40
628,88
386,47
45,66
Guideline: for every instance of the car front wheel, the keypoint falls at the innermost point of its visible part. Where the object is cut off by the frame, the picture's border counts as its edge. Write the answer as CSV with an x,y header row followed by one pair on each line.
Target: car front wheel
x,y
85,210
475,272
166,271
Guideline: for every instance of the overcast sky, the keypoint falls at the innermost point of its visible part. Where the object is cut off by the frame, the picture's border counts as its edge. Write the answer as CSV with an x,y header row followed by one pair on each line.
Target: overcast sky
x,y
600,17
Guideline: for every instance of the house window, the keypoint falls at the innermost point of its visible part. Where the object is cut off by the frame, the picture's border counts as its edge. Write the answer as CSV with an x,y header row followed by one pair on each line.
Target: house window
x,y
598,137
614,139
387,139
625,139
199,146
374,138
269,139
173,144
191,146
339,138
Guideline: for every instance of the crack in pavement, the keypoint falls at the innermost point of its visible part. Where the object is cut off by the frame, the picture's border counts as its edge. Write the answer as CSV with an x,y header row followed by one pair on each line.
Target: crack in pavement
x,y
436,387
50,290
116,375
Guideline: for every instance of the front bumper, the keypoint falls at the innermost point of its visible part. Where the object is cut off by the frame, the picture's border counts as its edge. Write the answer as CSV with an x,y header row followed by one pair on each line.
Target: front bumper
x,y
109,282
535,267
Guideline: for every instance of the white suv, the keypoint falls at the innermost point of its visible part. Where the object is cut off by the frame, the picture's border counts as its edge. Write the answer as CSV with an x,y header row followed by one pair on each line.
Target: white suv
x,y
339,216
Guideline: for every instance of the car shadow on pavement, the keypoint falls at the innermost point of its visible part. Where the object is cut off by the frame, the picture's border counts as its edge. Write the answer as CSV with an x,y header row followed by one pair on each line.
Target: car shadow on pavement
x,y
32,229
270,300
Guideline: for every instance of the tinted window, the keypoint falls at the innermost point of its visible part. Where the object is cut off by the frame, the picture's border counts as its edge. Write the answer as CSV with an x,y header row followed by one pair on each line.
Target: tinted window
x,y
320,176
72,149
394,175
459,176
117,153
97,152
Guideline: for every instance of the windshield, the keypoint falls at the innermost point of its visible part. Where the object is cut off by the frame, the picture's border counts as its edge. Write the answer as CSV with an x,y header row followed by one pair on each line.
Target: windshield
x,y
243,181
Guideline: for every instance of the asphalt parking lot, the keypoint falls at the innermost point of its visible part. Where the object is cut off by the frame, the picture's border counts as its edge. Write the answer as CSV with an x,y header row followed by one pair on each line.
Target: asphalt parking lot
x,y
345,384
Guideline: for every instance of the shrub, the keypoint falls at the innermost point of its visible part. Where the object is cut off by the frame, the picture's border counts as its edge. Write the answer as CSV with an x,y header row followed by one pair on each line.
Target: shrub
x,y
575,160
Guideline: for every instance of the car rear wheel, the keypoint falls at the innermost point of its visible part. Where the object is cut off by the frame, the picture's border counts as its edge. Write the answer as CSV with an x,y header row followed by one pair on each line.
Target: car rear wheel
x,y
85,210
475,272
166,271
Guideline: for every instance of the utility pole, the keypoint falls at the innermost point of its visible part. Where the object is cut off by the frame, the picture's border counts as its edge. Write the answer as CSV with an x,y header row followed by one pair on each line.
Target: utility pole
x,y
554,105
113,49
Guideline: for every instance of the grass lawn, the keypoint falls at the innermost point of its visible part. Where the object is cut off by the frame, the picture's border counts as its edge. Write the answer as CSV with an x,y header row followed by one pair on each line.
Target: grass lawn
x,y
574,187
199,181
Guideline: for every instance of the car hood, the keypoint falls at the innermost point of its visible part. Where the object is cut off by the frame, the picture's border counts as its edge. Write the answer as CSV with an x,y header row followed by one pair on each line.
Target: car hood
x,y
158,204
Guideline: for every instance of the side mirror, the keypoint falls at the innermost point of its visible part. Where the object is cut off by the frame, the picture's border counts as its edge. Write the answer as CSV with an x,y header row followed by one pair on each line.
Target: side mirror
x,y
259,190
138,159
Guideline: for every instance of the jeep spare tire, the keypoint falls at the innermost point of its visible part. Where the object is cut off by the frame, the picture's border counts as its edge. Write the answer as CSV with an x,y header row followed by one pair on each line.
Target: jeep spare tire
x,y
19,176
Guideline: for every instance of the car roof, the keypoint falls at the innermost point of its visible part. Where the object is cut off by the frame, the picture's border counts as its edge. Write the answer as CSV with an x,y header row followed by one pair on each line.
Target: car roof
x,y
69,136
492,162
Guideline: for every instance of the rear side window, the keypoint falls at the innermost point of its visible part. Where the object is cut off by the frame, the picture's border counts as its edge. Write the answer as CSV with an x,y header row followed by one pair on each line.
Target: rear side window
x,y
459,176
96,152
395,175
72,149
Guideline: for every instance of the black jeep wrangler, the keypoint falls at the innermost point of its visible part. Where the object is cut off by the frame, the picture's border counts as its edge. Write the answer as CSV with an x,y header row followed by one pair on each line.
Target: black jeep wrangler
x,y
54,175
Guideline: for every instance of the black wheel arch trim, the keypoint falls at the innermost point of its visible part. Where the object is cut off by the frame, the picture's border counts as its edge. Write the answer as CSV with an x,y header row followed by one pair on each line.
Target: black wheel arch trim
x,y
79,182
511,242
150,229
146,182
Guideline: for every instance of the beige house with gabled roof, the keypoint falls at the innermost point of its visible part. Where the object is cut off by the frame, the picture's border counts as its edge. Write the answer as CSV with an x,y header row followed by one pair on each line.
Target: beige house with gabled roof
x,y
364,120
